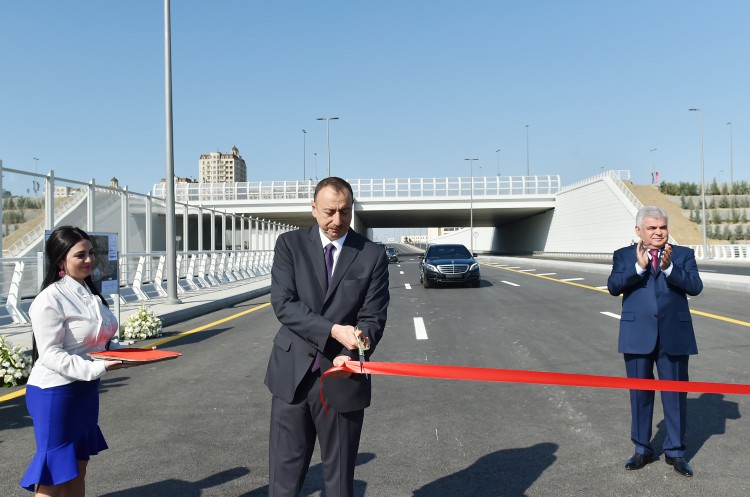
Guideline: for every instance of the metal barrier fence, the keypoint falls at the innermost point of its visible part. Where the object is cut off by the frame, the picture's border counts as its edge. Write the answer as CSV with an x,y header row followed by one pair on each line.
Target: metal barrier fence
x,y
141,275
367,188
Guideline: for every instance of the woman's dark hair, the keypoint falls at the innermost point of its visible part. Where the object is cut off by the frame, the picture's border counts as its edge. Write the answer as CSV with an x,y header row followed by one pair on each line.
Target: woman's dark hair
x,y
56,249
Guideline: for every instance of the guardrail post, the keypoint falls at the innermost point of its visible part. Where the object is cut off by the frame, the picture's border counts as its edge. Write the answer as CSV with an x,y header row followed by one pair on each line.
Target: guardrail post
x,y
90,209
49,201
124,231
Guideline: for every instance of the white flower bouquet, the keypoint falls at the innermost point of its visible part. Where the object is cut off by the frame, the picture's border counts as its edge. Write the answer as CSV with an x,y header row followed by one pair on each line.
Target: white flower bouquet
x,y
141,325
15,367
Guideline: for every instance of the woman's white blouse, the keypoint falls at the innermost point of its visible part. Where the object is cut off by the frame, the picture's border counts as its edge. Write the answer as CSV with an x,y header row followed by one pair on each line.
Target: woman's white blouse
x,y
68,322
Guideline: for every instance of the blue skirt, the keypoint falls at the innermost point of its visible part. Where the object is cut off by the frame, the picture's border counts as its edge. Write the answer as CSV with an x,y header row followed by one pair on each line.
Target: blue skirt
x,y
66,430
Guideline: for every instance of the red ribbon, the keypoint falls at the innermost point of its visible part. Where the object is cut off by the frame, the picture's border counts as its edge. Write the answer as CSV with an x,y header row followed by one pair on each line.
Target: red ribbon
x,y
535,377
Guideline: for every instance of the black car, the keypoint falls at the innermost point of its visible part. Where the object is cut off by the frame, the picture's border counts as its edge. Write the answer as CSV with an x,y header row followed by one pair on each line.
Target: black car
x,y
392,254
448,263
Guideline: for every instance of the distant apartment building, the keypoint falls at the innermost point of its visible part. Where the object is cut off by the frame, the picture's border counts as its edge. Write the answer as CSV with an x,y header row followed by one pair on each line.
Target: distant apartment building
x,y
218,167
65,191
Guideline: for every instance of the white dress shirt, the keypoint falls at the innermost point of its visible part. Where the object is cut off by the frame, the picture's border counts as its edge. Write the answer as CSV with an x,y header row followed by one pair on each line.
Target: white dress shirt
x,y
68,322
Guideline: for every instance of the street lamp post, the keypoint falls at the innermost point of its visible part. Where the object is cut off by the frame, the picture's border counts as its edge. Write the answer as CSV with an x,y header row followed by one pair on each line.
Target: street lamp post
x,y
170,216
528,167
731,160
328,138
703,188
498,161
653,166
471,204
315,163
304,154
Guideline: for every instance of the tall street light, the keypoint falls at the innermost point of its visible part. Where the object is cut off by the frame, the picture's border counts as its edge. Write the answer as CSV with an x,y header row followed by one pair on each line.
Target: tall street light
x,y
653,166
731,160
528,167
703,188
170,216
328,138
498,161
471,204
304,154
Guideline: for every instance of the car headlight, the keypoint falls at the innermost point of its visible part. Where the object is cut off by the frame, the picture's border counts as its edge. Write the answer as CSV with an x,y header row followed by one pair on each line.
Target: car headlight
x,y
430,267
474,266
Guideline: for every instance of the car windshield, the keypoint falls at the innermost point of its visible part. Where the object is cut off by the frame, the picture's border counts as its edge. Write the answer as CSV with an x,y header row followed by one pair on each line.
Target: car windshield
x,y
448,252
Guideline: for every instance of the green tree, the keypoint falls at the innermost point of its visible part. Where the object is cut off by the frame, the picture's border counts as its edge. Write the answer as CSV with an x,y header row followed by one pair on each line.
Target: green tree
x,y
713,188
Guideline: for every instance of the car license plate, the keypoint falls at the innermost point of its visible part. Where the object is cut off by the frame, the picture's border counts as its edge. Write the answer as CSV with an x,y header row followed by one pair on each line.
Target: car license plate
x,y
453,276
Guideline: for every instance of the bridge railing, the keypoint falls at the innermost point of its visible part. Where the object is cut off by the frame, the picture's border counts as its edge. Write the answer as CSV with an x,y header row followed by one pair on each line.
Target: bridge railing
x,y
367,188
21,277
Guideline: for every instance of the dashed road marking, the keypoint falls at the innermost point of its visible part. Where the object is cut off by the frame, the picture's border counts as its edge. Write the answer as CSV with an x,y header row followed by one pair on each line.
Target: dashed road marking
x,y
571,279
611,314
509,283
408,286
546,274
526,270
419,329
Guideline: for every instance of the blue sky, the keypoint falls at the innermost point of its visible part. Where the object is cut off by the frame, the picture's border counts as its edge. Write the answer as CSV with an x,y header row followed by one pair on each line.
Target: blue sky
x,y
419,86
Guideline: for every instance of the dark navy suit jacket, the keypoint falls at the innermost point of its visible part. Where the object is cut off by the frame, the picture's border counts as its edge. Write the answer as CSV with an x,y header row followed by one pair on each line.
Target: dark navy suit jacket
x,y
307,308
654,305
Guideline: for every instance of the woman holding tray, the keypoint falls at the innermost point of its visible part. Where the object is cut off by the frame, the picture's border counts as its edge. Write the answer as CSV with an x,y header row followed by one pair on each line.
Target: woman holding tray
x,y
69,318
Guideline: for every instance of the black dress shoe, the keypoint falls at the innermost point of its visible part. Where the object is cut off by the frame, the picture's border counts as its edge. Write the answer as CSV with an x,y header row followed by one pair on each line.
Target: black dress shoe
x,y
639,460
680,465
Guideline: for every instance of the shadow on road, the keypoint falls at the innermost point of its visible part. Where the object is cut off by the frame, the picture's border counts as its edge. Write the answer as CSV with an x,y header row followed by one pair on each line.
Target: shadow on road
x,y
314,480
14,415
181,488
193,337
706,416
506,473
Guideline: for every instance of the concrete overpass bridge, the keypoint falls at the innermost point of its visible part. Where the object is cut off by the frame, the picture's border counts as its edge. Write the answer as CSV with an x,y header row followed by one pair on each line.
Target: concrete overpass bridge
x,y
512,215
386,203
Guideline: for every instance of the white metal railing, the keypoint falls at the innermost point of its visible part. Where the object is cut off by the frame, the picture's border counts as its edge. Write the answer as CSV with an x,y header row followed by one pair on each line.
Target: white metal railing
x,y
21,278
738,252
367,188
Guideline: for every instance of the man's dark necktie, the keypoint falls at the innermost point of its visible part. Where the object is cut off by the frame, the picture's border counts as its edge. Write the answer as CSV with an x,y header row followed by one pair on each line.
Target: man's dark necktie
x,y
328,253
654,259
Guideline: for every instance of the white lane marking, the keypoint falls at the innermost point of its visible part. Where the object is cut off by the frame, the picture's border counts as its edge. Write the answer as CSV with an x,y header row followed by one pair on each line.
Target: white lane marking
x,y
602,287
400,272
408,286
526,270
419,329
514,267
572,279
611,314
501,265
509,283
545,274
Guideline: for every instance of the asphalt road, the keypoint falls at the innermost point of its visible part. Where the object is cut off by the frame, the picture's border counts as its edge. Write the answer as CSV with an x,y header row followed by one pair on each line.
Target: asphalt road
x,y
198,425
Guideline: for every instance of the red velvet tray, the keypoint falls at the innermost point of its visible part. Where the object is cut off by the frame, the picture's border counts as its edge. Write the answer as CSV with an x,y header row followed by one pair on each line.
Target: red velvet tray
x,y
133,355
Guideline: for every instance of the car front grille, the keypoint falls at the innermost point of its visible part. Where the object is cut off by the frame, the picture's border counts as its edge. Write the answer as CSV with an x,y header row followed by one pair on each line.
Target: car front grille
x,y
453,268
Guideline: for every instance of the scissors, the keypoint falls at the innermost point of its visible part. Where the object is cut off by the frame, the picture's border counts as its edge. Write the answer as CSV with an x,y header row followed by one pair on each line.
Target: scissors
x,y
362,346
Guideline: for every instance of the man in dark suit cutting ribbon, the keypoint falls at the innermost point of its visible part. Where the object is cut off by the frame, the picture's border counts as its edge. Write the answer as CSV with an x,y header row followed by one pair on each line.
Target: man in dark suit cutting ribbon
x,y
329,288
655,279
